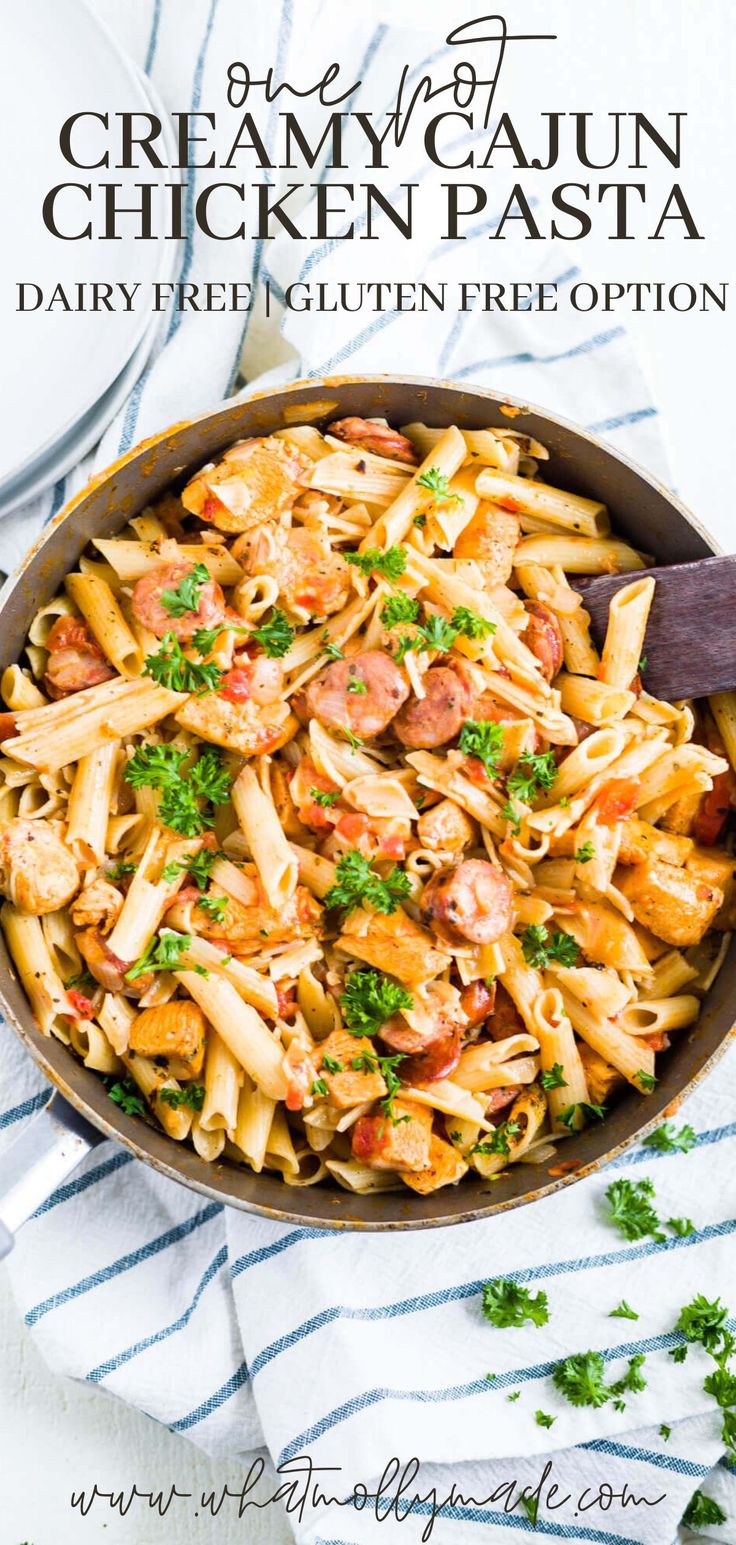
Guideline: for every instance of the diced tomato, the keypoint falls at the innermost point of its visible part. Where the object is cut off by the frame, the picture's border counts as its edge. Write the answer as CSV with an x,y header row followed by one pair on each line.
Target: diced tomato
x,y
714,808
81,1004
617,800
475,770
210,508
352,826
393,845
300,1075
236,685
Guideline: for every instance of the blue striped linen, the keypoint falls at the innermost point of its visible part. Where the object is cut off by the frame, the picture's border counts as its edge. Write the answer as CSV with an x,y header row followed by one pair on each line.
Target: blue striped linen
x,y
238,1332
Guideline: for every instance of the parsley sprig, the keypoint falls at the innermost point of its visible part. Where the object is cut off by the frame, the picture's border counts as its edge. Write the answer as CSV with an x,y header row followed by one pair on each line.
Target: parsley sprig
x,y
358,884
437,484
631,1209
508,1306
482,739
541,948
181,808
275,636
162,953
170,667
191,1095
532,773
399,608
498,1140
369,999
198,867
390,563
702,1511
667,1140
185,598
554,1077
125,1093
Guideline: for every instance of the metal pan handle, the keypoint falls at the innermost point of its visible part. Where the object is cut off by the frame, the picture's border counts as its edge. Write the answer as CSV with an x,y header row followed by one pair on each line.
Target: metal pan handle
x,y
49,1149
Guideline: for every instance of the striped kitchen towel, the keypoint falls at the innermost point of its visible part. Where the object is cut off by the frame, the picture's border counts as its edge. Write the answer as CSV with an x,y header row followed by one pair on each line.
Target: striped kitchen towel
x,y
237,1332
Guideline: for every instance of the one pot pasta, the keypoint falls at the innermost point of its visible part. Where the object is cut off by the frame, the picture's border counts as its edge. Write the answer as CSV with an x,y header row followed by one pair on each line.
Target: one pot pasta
x,y
327,836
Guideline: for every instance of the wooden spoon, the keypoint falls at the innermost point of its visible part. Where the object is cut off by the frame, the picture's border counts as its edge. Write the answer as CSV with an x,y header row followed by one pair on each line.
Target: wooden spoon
x,y
690,644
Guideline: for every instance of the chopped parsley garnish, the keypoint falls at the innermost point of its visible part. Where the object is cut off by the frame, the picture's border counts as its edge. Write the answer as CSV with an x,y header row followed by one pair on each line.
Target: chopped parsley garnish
x,y
214,906
186,596
721,1384
357,685
161,954
533,771
332,1065
198,867
704,1321
333,651
399,608
623,1311
588,1112
160,767
127,1095
470,624
632,1210
678,1354
275,636
369,999
82,979
584,853
169,667
204,639
664,1431
390,564
482,739
438,486
683,1227
191,1095
580,1378
420,521
531,1508
554,1077
437,633
509,1306
325,799
543,1420
541,948
667,1140
319,1087
643,663
116,871
515,1394
387,1067
498,1140
509,813
357,884
632,1382
646,1081
702,1511
354,741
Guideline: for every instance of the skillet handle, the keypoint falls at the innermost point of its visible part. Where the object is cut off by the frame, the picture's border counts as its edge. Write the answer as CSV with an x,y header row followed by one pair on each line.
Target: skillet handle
x,y
51,1147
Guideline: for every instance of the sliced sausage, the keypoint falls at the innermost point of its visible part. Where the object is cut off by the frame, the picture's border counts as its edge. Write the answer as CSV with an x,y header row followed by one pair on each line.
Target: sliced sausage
x,y
378,439
150,611
476,1001
438,1061
75,659
505,1019
543,636
473,901
498,1099
432,720
333,699
37,873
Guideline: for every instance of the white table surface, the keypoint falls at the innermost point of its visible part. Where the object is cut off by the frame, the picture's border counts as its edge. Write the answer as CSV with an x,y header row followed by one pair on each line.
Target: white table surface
x,y
56,1435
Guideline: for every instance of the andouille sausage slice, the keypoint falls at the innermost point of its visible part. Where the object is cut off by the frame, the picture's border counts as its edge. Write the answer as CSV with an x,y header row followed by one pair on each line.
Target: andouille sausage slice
x,y
477,1000
473,901
361,695
438,1061
151,612
505,1019
378,439
498,1099
432,720
75,659
543,636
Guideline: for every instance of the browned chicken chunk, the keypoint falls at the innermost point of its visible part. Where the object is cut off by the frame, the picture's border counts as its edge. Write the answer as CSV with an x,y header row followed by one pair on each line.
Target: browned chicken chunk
x,y
37,872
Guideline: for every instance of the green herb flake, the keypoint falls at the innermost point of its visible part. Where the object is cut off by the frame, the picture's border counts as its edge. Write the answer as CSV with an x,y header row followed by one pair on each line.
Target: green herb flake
x,y
554,1077
358,884
185,599
631,1209
482,739
275,636
390,563
623,1311
508,1306
369,999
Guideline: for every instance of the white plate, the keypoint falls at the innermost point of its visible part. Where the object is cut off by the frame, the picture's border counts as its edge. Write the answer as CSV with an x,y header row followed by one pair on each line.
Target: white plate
x,y
56,365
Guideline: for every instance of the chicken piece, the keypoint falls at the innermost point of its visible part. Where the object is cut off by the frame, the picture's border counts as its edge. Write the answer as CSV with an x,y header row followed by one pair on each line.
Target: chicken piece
x,y
98,906
426,722
37,872
681,816
361,695
107,968
445,1167
602,1079
473,901
394,943
717,867
350,1086
257,480
313,579
543,635
376,837
75,659
605,937
247,926
640,838
400,1144
173,1029
445,828
286,806
377,439
673,903
491,537
241,726
177,584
